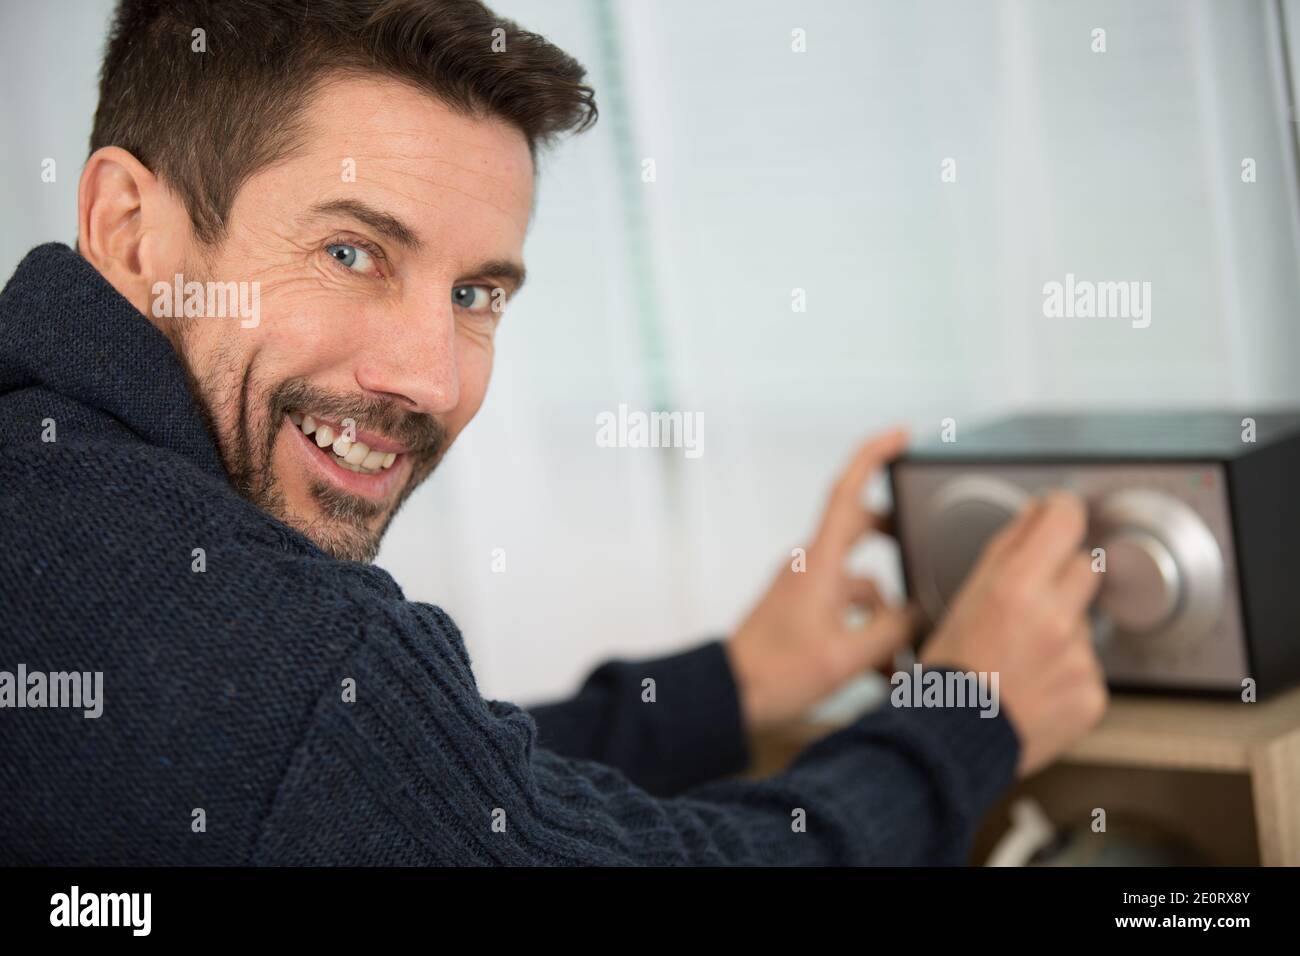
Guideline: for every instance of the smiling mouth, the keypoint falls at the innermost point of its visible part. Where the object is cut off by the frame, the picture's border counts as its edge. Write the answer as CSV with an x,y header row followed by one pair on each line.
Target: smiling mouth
x,y
354,456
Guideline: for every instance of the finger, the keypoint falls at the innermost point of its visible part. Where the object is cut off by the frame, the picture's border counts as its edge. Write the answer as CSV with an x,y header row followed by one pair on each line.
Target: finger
x,y
1056,533
846,518
869,522
864,593
1011,533
1077,583
1077,659
1004,542
890,630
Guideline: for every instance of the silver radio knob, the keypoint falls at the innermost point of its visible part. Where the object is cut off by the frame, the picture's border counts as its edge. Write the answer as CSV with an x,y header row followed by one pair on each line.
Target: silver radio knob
x,y
1143,588
1164,570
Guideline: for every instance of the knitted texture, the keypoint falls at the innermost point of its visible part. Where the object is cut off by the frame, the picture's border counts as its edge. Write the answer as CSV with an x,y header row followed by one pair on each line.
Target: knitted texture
x,y
223,690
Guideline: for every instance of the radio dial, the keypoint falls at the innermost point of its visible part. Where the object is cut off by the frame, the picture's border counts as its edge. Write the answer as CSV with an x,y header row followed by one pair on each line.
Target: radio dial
x,y
1142,583
1164,571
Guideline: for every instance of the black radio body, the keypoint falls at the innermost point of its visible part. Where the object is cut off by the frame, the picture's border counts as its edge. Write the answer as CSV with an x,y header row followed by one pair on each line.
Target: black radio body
x,y
1194,517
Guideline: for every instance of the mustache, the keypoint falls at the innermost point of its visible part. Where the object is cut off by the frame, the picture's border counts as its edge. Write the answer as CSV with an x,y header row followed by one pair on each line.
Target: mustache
x,y
423,434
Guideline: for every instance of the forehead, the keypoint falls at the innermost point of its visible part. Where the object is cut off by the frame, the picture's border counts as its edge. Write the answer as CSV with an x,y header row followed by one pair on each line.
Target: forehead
x,y
456,180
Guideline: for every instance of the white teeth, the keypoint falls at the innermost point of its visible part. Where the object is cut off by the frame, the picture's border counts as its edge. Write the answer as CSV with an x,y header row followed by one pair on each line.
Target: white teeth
x,y
352,455
357,468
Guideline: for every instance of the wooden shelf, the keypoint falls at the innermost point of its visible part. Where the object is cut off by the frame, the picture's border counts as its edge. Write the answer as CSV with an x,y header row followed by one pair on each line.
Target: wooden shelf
x,y
1181,737
1189,734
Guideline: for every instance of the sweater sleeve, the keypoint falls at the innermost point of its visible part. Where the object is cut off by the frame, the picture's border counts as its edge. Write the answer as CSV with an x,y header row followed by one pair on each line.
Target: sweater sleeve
x,y
421,770
689,733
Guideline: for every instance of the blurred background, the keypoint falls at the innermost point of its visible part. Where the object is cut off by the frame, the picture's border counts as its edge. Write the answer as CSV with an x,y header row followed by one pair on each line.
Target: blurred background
x,y
822,170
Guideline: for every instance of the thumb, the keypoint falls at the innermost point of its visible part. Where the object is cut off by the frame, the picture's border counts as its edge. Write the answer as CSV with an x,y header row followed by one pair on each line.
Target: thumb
x,y
846,518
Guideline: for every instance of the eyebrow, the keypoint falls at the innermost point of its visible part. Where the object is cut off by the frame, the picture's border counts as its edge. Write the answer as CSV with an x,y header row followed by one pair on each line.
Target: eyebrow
x,y
382,222
389,225
501,269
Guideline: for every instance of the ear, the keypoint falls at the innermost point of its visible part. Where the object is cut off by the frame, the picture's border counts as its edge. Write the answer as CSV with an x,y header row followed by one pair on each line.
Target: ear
x,y
129,227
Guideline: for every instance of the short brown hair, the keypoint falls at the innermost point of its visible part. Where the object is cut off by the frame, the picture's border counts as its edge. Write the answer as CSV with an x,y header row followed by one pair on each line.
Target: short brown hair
x,y
205,122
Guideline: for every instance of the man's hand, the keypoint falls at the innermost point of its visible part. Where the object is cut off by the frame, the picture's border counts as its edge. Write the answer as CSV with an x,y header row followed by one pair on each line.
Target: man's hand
x,y
795,648
1023,613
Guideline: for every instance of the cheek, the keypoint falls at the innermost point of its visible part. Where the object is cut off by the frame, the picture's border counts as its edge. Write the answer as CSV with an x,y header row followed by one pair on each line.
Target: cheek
x,y
475,371
305,329
217,355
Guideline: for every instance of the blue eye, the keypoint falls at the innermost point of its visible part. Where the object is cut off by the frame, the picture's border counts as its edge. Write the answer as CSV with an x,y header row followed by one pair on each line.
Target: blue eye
x,y
349,256
474,298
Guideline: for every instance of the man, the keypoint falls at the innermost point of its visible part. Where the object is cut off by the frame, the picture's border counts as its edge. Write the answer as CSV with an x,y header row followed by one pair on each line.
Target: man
x,y
294,240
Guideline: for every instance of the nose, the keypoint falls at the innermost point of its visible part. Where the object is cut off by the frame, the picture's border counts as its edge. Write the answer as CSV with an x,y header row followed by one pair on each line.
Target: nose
x,y
411,358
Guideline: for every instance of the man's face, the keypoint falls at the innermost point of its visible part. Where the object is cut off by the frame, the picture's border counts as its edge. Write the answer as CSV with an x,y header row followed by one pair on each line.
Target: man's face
x,y
383,251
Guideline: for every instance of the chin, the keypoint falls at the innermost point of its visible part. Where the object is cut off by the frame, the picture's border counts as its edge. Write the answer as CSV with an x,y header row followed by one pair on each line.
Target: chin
x,y
338,539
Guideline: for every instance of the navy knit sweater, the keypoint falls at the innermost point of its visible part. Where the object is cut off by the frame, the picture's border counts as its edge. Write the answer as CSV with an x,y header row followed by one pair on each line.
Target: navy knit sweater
x,y
226,736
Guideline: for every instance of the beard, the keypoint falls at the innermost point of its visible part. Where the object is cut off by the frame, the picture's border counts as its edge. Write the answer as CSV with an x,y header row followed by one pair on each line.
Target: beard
x,y
348,527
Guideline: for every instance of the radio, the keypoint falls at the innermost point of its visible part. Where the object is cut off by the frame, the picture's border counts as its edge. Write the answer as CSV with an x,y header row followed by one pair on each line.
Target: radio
x,y
1194,516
